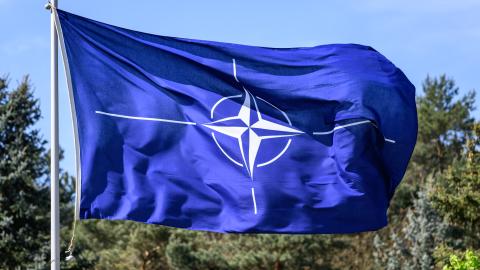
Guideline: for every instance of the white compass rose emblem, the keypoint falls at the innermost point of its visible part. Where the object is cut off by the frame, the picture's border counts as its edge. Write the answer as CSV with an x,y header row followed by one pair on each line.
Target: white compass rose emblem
x,y
249,125
245,126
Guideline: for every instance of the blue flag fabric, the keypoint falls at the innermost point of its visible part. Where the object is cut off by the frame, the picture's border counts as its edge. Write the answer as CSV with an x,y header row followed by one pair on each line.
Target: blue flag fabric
x,y
232,138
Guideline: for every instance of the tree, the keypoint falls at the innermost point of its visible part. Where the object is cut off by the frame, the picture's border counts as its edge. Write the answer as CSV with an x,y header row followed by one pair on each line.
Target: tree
x,y
414,246
199,250
457,199
470,261
24,200
424,231
457,190
445,124
105,244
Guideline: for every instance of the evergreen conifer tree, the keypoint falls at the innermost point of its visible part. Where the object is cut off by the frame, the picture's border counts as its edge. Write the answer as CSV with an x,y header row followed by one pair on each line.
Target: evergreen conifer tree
x,y
24,199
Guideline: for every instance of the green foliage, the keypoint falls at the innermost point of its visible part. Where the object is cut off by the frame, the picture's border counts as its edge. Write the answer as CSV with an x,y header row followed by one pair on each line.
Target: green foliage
x,y
445,122
457,192
413,247
130,245
424,231
24,201
198,250
456,197
120,245
470,261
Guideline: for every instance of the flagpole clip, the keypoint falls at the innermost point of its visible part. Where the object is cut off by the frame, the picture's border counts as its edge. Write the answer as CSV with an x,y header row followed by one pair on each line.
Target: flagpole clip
x,y
49,6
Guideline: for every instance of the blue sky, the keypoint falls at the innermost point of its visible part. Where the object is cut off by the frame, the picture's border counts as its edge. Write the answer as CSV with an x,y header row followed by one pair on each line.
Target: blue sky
x,y
421,37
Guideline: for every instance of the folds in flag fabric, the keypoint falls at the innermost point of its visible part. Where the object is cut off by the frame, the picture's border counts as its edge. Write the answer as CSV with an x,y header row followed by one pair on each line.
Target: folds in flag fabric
x,y
232,138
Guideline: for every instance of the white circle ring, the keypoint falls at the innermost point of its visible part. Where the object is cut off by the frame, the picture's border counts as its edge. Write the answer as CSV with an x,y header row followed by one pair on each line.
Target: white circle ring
x,y
212,111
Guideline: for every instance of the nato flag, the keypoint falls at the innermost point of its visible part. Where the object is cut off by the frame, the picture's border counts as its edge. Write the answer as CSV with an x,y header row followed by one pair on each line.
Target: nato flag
x,y
231,138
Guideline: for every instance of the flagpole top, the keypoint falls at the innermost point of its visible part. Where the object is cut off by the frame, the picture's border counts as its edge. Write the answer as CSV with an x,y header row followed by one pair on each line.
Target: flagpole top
x,y
49,5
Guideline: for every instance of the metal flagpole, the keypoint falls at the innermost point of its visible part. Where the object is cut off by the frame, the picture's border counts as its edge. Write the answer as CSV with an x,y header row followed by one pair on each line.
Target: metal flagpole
x,y
54,181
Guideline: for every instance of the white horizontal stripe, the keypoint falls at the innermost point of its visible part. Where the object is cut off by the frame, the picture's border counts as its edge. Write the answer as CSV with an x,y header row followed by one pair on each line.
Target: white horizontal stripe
x,y
350,125
145,118
389,140
343,126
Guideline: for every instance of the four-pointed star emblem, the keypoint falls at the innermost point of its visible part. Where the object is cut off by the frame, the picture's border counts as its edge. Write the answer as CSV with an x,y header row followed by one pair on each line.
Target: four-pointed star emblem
x,y
249,126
